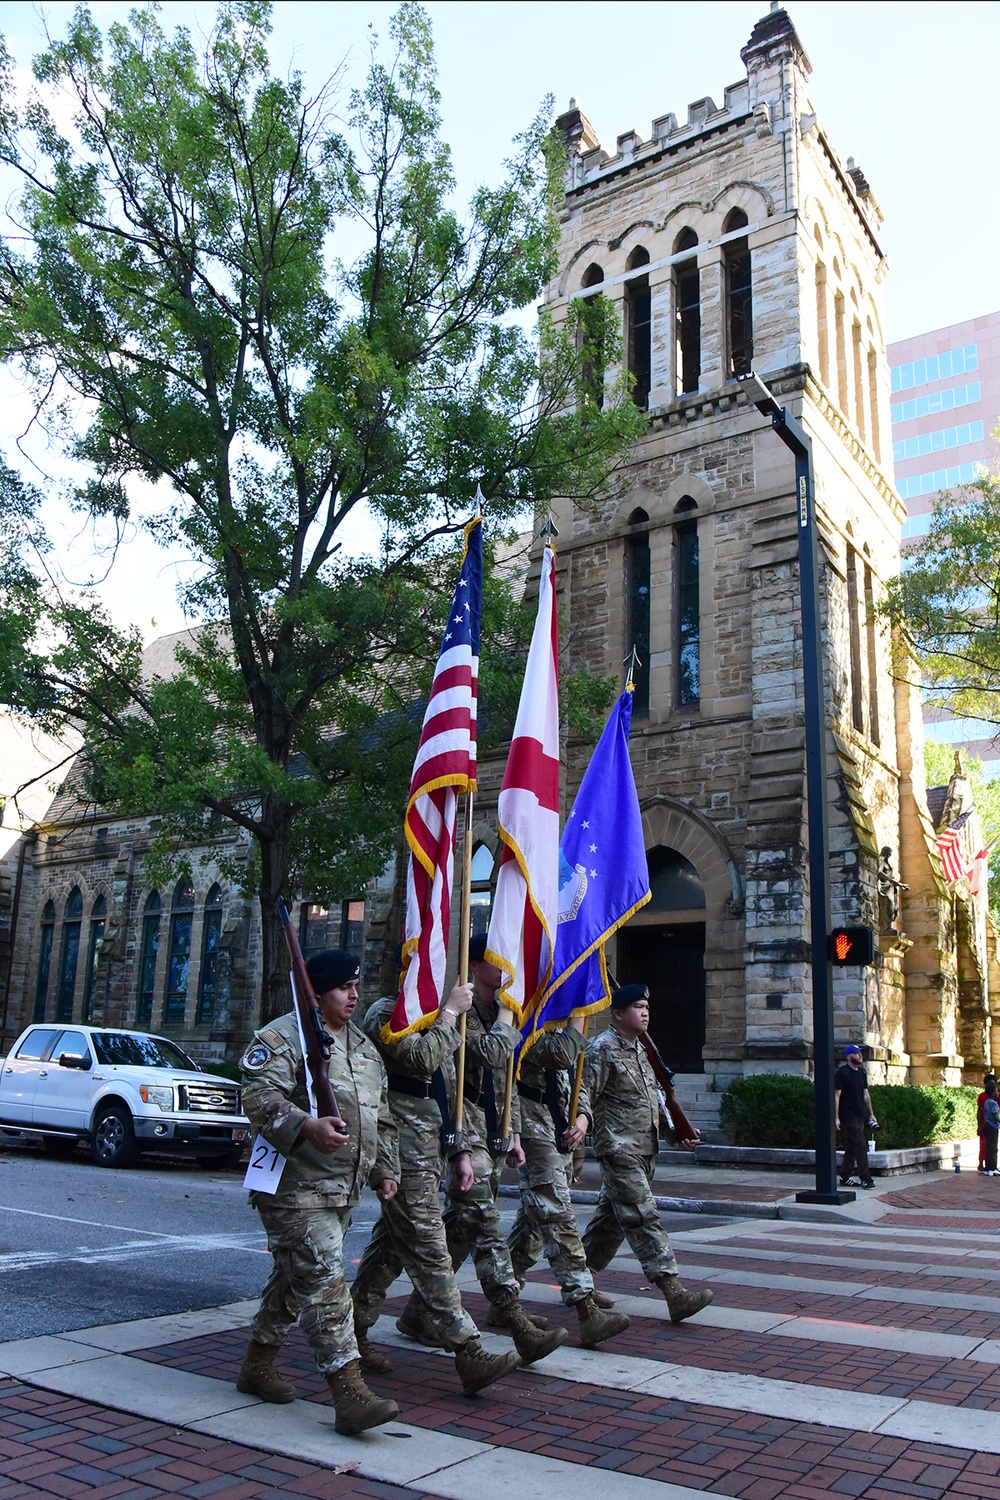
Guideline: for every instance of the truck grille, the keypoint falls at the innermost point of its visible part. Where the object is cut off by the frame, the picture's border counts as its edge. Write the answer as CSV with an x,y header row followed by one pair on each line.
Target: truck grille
x,y
210,1098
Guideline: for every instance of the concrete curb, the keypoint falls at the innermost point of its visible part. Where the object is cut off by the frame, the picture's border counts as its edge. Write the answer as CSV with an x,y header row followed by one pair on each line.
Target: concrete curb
x,y
721,1207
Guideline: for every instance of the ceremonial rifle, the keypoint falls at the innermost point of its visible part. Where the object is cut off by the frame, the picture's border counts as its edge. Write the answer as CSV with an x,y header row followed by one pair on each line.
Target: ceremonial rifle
x,y
317,1039
683,1128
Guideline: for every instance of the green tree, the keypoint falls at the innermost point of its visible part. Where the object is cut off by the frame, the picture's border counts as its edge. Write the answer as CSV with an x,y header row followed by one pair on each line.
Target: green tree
x,y
180,288
946,601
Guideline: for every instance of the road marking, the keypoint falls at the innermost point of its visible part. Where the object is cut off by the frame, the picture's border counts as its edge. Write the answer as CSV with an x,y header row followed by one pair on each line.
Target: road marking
x,y
31,1260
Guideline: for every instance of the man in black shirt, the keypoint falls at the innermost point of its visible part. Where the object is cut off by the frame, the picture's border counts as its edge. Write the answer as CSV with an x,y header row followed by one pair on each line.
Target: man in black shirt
x,y
854,1112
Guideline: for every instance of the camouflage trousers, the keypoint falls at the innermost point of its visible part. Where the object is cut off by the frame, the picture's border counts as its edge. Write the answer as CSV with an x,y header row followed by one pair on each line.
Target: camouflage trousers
x,y
307,1283
472,1223
410,1236
545,1223
626,1210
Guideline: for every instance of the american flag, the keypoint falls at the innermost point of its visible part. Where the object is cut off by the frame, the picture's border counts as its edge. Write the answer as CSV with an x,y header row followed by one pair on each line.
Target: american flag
x,y
949,845
445,766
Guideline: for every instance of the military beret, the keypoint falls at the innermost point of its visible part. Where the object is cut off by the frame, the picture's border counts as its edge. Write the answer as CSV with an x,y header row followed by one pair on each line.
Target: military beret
x,y
477,948
332,968
628,994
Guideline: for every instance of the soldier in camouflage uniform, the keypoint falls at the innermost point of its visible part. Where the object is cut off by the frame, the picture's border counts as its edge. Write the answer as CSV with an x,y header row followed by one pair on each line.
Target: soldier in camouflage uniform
x,y
327,1162
423,1100
410,1233
472,1220
545,1087
626,1109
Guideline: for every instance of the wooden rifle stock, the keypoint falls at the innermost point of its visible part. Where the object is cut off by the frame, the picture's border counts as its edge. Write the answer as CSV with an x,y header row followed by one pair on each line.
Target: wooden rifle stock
x,y
318,1042
683,1128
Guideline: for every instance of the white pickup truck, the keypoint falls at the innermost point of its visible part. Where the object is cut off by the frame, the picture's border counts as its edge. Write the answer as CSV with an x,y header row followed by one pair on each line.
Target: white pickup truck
x,y
123,1092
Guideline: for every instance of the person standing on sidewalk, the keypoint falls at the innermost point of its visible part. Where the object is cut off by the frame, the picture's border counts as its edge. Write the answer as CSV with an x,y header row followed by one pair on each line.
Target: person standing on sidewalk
x,y
627,1108
988,1078
327,1163
854,1115
991,1127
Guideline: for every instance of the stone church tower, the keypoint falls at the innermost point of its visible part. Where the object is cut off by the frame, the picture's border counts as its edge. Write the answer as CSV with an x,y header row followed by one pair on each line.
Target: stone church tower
x,y
731,239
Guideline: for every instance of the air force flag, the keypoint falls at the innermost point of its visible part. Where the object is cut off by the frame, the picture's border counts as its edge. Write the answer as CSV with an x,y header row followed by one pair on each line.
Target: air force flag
x,y
603,878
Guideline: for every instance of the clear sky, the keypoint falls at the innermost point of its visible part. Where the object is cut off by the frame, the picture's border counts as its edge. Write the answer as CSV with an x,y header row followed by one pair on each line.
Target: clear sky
x,y
908,90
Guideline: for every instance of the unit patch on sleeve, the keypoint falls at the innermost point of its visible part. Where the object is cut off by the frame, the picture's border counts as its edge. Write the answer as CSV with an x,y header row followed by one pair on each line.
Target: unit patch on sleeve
x,y
256,1058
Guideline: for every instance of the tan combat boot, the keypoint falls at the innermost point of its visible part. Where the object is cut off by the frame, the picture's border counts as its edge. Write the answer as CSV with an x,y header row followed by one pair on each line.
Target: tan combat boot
x,y
477,1369
595,1325
356,1406
371,1356
603,1299
258,1377
680,1302
413,1323
494,1320
530,1342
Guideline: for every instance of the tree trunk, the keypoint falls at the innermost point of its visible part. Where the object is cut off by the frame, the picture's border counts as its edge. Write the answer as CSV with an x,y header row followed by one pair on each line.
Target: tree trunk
x,y
275,994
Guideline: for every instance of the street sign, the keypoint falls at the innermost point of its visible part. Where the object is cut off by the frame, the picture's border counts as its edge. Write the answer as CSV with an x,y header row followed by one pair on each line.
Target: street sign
x,y
851,946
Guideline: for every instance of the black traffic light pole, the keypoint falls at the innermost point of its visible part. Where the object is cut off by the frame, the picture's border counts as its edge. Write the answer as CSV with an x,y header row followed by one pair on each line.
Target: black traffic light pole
x,y
795,438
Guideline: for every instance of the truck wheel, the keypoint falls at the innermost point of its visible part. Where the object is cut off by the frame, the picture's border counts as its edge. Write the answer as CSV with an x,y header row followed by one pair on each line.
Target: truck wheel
x,y
57,1145
112,1143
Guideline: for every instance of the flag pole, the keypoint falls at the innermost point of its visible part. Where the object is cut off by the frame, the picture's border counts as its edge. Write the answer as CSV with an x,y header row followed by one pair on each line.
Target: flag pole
x,y
463,966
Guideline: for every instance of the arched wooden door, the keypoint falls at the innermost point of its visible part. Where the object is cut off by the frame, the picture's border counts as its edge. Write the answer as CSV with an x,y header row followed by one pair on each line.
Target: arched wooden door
x,y
664,947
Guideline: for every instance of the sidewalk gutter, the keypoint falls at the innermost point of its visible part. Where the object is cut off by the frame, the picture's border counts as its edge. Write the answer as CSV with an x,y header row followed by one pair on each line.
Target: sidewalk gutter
x,y
724,1207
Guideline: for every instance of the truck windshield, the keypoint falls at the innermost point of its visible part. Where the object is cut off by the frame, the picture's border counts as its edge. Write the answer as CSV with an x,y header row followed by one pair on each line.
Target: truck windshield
x,y
139,1051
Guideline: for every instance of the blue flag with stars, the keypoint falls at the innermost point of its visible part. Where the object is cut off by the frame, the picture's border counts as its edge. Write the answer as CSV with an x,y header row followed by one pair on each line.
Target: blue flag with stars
x,y
603,877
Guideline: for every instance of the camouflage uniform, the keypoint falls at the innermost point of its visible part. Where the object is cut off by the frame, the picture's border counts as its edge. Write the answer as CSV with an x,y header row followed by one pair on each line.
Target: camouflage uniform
x,y
410,1233
545,1222
307,1217
471,1220
626,1110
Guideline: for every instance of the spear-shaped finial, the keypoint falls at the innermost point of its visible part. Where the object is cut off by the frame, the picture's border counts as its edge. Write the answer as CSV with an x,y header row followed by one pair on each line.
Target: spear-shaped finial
x,y
549,530
631,662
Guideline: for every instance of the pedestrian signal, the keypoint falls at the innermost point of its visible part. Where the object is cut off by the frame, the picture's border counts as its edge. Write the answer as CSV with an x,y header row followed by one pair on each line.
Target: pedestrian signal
x,y
847,946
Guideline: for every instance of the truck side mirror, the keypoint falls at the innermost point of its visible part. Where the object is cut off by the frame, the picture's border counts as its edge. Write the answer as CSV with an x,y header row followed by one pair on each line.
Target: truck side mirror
x,y
74,1060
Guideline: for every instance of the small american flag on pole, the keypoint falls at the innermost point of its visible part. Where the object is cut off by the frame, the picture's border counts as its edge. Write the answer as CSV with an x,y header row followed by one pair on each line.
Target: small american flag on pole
x,y
445,766
949,846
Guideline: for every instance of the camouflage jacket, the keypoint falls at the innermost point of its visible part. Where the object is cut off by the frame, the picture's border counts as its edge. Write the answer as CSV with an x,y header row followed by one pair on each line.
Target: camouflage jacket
x,y
548,1069
487,1049
624,1097
277,1105
416,1057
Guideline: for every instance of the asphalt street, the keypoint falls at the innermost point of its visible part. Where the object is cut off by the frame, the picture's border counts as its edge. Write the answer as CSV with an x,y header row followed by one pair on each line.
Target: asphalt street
x,y
81,1245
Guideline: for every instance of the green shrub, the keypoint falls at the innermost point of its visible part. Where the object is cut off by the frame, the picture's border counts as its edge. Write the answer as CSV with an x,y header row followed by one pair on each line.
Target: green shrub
x,y
769,1109
773,1109
224,1070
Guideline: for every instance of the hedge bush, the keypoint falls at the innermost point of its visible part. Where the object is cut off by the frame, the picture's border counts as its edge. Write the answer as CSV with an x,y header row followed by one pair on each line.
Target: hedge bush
x,y
772,1109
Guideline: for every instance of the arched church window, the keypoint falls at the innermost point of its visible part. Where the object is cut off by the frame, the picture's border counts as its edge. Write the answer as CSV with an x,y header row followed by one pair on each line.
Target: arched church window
x,y
841,352
674,883
822,324
179,953
481,901
592,335
147,960
687,302
854,634
208,977
687,611
637,602
739,295
873,404
874,727
69,955
639,316
98,913
47,932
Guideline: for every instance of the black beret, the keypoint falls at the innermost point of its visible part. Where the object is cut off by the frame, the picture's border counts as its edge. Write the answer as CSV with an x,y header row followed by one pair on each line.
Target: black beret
x,y
628,994
477,948
332,968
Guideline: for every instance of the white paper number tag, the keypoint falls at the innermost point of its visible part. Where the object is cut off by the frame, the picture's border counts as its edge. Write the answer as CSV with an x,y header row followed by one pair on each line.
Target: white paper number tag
x,y
265,1169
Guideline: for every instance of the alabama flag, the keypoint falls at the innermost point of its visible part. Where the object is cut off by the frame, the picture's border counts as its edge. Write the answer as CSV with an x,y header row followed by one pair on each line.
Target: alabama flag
x,y
526,906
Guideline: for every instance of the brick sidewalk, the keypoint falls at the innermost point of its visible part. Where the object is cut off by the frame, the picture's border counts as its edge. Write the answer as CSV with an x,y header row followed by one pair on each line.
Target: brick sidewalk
x,y
58,1445
969,1191
720,1451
